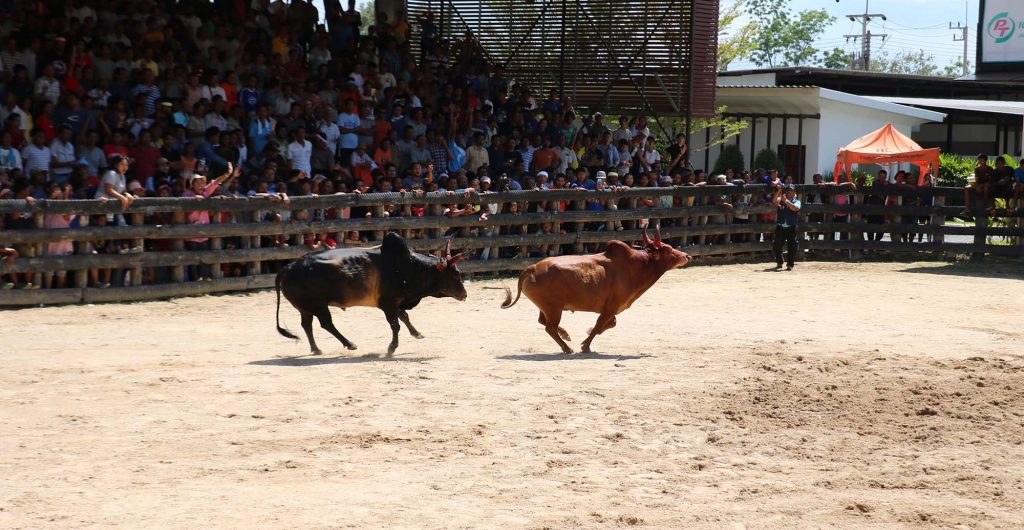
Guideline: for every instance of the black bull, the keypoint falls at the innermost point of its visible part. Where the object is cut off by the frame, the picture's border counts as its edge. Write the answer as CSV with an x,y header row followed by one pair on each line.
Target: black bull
x,y
390,277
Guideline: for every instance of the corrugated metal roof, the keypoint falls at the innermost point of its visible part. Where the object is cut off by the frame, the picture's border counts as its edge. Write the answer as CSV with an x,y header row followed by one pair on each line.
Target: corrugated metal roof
x,y
1011,108
767,86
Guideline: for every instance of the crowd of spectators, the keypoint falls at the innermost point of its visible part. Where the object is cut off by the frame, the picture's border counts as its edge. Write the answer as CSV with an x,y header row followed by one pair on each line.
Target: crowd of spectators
x,y
138,98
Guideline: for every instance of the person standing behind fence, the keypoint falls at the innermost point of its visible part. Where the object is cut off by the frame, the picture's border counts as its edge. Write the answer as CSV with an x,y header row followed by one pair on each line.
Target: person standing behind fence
x,y
112,186
787,214
200,189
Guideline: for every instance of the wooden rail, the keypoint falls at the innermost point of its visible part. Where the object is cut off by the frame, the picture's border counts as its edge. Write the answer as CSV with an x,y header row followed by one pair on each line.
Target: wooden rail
x,y
697,225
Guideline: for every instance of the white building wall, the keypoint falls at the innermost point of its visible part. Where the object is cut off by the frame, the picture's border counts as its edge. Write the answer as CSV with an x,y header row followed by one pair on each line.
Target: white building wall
x,y
841,123
810,140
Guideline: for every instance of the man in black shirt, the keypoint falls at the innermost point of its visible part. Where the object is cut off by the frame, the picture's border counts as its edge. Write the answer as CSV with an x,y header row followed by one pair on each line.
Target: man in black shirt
x,y
786,218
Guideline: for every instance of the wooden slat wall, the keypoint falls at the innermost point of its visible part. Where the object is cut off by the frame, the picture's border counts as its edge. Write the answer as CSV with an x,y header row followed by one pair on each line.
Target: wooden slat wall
x,y
614,51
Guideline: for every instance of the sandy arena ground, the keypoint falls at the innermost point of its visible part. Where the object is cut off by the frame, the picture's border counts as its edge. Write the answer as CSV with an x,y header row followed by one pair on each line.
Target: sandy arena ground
x,y
839,395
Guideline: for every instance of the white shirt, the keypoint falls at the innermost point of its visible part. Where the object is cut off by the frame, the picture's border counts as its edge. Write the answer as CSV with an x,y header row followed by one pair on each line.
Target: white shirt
x,y
48,89
357,80
114,178
348,121
332,135
62,152
387,80
358,159
299,156
35,158
651,157
209,91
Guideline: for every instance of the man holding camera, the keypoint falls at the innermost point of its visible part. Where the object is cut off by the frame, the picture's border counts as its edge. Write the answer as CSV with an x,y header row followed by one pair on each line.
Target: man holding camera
x,y
786,217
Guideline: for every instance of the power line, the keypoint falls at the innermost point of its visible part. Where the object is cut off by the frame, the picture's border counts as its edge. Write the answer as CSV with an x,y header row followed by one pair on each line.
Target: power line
x,y
865,36
964,30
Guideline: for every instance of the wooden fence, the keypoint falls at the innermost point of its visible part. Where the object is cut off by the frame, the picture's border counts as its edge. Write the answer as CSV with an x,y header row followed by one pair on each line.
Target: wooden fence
x,y
694,223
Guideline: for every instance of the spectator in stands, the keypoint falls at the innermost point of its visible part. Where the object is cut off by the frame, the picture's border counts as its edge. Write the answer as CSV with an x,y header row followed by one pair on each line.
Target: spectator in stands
x,y
59,192
982,184
37,156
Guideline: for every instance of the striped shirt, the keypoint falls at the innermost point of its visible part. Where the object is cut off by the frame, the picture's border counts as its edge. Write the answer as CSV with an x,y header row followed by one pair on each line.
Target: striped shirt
x,y
152,96
36,158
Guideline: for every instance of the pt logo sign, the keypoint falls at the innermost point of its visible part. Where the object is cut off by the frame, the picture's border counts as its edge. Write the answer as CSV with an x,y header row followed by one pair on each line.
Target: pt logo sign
x,y
1001,27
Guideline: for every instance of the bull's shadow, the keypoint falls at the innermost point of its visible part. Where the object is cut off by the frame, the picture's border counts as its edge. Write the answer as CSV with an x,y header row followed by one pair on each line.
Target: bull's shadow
x,y
340,359
559,356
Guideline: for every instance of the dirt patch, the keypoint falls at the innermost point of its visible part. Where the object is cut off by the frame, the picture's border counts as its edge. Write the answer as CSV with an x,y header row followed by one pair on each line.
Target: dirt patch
x,y
834,395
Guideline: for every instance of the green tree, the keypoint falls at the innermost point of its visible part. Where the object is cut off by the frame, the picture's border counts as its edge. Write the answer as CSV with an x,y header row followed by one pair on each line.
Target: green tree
x,y
723,129
784,38
734,43
836,59
906,62
953,69
730,158
368,16
767,160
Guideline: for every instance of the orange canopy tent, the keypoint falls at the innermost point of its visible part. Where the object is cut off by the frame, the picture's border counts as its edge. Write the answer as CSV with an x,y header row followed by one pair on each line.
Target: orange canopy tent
x,y
886,146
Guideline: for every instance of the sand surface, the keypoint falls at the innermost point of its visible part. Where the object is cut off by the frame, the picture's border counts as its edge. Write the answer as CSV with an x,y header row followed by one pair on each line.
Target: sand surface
x,y
838,395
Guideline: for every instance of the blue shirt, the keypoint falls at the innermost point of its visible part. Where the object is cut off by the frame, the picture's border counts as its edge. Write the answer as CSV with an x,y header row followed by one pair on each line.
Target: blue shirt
x,y
250,100
588,184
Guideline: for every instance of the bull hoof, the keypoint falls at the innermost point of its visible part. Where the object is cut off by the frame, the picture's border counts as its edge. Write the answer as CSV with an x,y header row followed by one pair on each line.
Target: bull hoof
x,y
351,346
567,351
417,335
316,352
391,350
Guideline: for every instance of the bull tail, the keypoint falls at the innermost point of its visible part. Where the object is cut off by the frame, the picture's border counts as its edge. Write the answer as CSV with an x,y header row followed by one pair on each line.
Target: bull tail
x,y
277,313
509,302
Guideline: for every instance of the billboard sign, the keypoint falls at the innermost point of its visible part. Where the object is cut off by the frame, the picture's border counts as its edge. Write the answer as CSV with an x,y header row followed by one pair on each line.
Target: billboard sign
x,y
1001,34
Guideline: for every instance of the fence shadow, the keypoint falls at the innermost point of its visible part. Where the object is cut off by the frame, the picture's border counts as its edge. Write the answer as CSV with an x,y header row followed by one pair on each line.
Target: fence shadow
x,y
340,359
559,356
976,270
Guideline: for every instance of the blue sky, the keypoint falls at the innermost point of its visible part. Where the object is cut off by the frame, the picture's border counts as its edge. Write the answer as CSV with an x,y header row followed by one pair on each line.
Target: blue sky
x,y
912,25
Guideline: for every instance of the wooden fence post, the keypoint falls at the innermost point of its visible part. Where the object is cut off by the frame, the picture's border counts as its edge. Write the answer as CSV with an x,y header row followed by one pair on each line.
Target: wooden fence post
x,y
136,272
37,249
980,224
216,243
178,271
82,248
407,212
937,220
855,218
579,247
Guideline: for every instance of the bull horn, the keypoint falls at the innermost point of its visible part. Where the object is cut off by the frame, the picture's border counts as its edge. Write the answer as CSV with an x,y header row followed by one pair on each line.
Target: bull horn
x,y
647,240
448,249
657,236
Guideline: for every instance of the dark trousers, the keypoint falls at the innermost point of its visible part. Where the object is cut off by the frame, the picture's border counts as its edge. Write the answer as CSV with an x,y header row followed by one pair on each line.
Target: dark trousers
x,y
785,235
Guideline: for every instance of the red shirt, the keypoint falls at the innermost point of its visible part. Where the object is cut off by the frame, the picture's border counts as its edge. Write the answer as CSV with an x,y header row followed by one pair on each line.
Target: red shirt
x,y
145,161
112,149
231,94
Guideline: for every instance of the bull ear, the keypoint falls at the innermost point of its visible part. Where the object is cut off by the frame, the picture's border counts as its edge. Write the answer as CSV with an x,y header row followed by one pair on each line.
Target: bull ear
x,y
457,258
441,264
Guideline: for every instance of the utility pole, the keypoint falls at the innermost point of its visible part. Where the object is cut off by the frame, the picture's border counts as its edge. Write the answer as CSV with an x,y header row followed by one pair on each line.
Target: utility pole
x,y
865,35
963,29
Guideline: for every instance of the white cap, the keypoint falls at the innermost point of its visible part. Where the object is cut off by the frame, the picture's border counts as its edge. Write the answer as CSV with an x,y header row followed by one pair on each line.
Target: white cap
x,y
539,173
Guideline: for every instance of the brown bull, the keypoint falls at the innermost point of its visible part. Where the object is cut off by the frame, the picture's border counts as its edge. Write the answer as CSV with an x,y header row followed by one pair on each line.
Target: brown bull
x,y
605,283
